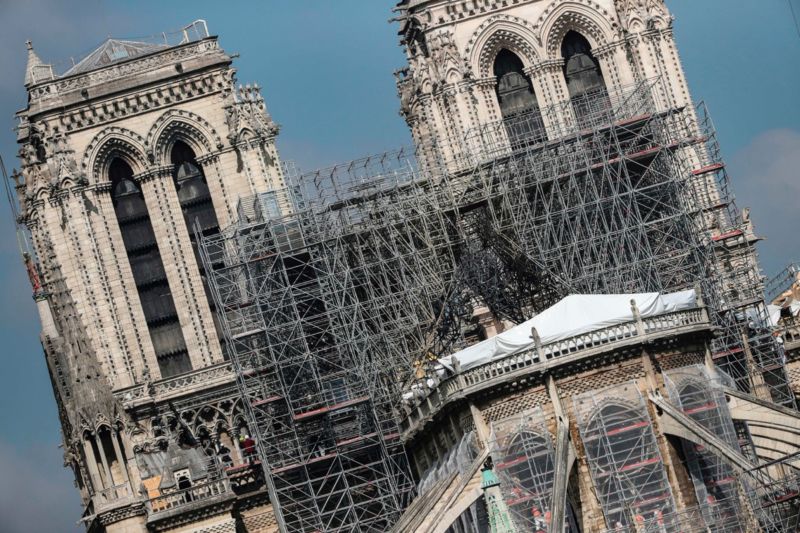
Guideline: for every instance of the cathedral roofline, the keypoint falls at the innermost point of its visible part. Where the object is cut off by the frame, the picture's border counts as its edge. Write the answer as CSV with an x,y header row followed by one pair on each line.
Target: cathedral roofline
x,y
113,52
100,76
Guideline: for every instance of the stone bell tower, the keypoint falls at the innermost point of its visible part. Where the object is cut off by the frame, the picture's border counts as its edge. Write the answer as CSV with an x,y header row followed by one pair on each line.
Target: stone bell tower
x,y
473,62
125,158
487,78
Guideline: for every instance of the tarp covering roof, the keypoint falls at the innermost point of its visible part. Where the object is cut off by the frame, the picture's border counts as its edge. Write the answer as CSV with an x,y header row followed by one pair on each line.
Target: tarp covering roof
x,y
573,315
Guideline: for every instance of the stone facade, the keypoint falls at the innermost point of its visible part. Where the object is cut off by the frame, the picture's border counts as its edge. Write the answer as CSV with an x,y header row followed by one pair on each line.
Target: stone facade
x,y
448,91
144,443
608,430
449,86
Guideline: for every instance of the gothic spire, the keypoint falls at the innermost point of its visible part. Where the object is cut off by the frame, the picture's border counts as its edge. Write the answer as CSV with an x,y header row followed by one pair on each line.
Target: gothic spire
x,y
36,70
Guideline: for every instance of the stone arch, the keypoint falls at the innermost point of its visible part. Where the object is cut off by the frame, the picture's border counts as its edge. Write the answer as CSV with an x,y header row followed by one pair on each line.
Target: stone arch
x,y
498,32
208,417
583,16
175,125
113,143
613,406
39,194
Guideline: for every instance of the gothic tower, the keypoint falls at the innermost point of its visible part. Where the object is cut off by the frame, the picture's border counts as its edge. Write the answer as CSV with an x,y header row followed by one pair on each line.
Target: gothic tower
x,y
561,138
488,77
126,158
471,63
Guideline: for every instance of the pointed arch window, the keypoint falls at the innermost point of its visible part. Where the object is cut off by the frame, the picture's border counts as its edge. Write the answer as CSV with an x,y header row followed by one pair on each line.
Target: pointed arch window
x,y
626,467
198,213
585,83
517,99
527,471
148,271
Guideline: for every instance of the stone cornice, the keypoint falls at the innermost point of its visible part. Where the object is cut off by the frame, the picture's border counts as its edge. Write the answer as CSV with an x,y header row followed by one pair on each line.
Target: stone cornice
x,y
548,65
123,68
177,386
106,111
486,82
152,173
121,513
596,348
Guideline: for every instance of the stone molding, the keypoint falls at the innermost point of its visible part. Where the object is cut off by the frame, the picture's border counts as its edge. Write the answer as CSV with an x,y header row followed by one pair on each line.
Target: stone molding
x,y
124,68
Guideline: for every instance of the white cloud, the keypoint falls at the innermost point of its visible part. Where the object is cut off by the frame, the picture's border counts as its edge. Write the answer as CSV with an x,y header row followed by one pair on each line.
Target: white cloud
x,y
766,177
35,495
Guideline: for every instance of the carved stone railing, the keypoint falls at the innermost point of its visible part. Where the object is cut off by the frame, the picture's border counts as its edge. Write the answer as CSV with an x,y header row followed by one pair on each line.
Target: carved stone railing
x,y
60,85
169,388
194,496
543,357
112,496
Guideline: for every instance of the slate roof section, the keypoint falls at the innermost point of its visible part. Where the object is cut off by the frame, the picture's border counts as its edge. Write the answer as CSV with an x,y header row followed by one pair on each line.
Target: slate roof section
x,y
113,51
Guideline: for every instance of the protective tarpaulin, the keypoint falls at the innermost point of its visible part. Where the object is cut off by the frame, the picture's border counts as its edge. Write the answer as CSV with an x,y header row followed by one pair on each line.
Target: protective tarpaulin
x,y
574,315
774,314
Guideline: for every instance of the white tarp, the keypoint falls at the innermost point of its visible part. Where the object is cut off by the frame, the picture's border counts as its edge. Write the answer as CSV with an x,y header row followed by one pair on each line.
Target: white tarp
x,y
774,312
574,315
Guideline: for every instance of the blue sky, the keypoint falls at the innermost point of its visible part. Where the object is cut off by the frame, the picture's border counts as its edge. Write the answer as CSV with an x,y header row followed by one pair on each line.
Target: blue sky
x,y
326,71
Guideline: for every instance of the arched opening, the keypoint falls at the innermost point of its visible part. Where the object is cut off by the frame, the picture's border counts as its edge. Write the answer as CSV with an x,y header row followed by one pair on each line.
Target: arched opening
x,y
227,452
585,83
94,462
527,471
148,271
517,100
198,213
716,486
627,468
109,448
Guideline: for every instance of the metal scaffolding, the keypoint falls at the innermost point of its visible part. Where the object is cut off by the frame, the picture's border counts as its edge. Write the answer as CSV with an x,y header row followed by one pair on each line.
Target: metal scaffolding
x,y
729,501
715,482
782,282
624,459
337,292
525,463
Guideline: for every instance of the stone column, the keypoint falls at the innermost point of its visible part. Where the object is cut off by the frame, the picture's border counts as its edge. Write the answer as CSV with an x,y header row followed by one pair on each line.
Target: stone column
x,y
224,205
91,463
180,265
130,324
113,435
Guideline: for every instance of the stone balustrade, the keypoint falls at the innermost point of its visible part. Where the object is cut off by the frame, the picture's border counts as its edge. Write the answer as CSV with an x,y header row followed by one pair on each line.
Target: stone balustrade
x,y
112,496
789,329
195,495
540,358
166,389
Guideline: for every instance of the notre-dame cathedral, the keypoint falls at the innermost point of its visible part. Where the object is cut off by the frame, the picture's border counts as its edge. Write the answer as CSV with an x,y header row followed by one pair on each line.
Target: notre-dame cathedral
x,y
141,152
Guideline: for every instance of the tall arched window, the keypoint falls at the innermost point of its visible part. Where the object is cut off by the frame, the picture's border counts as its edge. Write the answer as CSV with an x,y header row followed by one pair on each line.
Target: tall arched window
x,y
527,472
626,467
198,211
585,83
148,271
518,104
